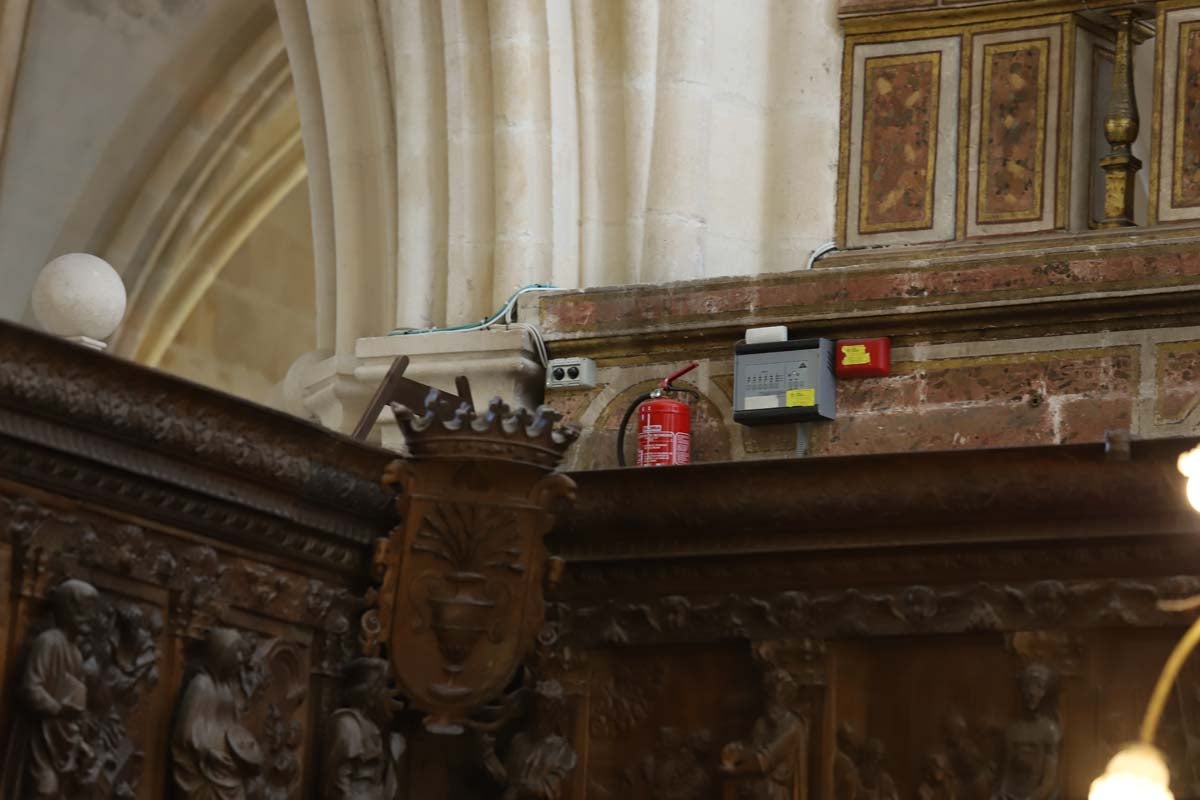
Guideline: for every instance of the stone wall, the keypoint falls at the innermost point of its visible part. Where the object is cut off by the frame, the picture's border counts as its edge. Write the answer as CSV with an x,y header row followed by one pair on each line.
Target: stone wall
x,y
258,315
460,151
993,346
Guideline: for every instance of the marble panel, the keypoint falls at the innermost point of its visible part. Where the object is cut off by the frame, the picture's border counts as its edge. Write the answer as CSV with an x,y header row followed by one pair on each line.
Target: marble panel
x,y
902,143
1013,139
1185,177
899,142
1176,180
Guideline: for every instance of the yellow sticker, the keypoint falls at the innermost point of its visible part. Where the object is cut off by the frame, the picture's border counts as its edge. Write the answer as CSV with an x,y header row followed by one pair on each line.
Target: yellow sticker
x,y
854,354
801,397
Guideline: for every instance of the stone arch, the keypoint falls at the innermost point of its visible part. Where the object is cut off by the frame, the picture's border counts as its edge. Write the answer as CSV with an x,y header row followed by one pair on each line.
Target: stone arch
x,y
228,166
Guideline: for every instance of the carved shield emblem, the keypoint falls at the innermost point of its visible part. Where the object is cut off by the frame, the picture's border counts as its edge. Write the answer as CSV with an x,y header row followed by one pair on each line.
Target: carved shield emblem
x,y
460,597
461,601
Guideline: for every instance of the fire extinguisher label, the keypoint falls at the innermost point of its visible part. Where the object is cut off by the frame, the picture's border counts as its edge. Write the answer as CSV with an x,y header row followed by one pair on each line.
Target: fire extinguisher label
x,y
664,433
683,448
659,448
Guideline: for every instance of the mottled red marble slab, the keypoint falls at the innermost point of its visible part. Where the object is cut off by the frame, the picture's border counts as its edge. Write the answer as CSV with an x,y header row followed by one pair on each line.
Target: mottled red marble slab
x,y
1013,137
899,142
1186,178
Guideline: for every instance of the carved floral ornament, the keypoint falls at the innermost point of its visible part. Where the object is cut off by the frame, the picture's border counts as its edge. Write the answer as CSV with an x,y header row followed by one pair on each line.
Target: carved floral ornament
x,y
883,611
460,601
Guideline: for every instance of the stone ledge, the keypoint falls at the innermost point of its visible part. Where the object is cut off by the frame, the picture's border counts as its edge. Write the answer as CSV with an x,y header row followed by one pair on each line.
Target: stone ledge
x,y
879,16
1057,286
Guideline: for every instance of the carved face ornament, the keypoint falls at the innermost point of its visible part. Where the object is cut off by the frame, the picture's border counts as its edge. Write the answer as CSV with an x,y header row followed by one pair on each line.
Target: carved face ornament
x,y
1035,682
75,604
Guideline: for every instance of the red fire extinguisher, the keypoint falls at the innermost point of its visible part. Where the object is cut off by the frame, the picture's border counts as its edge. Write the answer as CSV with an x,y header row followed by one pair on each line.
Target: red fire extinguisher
x,y
664,425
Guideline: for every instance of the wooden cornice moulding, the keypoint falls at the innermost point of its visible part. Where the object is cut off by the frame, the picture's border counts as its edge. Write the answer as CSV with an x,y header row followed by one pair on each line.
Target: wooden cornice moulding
x,y
113,478
65,404
965,499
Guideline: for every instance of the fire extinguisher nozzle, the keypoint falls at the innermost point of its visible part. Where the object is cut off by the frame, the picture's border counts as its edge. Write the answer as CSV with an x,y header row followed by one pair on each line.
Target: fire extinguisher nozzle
x,y
667,381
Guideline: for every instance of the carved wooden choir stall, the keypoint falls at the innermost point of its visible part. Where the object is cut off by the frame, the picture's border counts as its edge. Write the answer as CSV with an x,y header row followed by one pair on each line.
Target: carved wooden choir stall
x,y
207,599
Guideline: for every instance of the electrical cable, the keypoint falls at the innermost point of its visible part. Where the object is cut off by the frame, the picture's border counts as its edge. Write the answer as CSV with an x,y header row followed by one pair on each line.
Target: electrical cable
x,y
819,252
625,424
506,314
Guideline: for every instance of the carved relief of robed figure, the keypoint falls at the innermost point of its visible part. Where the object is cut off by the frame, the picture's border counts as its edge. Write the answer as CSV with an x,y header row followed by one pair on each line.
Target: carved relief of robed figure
x,y
778,745
362,759
49,754
1029,770
214,756
540,760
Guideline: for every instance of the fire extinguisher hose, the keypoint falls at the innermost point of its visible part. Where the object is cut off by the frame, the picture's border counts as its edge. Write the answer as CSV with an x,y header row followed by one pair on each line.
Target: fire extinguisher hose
x,y
625,424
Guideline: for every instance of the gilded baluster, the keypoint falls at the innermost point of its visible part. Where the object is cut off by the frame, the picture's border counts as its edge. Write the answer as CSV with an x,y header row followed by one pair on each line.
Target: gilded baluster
x,y
1121,126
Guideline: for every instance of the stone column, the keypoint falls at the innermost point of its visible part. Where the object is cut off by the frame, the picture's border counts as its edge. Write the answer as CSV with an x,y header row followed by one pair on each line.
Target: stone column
x,y
462,149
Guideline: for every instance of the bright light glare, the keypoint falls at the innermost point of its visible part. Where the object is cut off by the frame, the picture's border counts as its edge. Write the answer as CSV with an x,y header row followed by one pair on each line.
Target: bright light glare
x,y
1189,465
1193,492
1189,462
1137,772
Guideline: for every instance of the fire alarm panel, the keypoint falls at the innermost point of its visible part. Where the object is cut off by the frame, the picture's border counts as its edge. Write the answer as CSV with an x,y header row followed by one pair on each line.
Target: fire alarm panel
x,y
788,381
863,358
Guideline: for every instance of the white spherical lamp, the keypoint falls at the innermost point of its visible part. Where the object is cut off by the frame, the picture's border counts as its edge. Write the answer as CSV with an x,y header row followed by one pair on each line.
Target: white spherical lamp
x,y
80,297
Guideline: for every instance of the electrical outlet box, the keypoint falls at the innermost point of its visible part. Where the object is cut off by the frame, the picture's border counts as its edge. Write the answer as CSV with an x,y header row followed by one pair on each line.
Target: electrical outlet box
x,y
571,373
788,381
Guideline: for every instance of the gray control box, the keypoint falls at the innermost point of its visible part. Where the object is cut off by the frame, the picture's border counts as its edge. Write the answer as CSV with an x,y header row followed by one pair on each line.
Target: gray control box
x,y
571,373
789,381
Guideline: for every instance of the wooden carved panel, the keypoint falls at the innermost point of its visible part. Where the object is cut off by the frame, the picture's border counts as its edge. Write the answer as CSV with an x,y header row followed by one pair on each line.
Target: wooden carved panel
x,y
89,692
241,717
977,717
114,620
659,718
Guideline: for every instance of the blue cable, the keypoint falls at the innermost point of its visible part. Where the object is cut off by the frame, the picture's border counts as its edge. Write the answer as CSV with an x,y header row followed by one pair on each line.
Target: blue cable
x,y
470,326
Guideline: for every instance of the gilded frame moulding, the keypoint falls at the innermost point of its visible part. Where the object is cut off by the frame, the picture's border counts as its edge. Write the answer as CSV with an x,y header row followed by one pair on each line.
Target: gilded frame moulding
x,y
877,79
942,55
977,14
1166,121
989,171
956,157
1186,141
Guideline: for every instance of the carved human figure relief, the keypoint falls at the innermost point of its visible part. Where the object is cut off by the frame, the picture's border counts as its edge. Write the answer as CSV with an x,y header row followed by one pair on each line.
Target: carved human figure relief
x,y
1029,767
973,771
50,756
213,756
127,665
539,759
937,779
363,757
680,766
778,744
859,771
874,781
